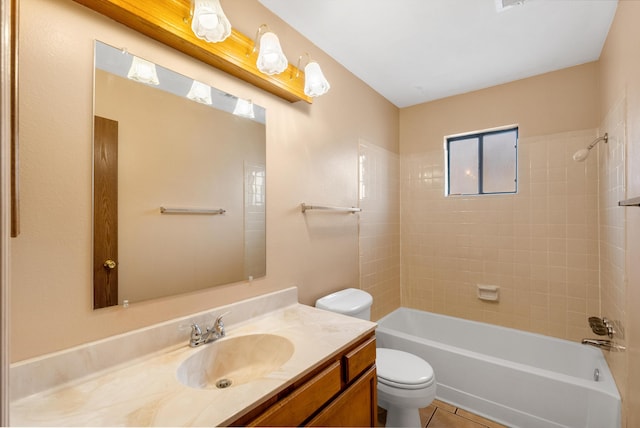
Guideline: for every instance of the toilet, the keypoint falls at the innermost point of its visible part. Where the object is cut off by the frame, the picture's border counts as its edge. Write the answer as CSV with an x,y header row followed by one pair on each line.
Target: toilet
x,y
406,382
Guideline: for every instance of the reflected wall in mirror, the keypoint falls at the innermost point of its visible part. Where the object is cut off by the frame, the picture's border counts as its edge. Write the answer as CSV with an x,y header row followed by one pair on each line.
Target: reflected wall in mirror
x,y
155,148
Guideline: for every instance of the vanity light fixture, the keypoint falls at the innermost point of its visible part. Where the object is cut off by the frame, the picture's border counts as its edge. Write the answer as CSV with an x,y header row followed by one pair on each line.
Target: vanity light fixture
x,y
208,21
271,59
315,84
143,71
200,93
244,108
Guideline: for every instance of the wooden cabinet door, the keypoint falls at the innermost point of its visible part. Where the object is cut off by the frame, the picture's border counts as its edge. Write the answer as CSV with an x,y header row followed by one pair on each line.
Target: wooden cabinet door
x,y
301,404
105,212
342,394
356,407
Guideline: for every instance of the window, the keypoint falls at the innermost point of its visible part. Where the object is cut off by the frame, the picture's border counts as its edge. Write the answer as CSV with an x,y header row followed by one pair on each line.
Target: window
x,y
482,163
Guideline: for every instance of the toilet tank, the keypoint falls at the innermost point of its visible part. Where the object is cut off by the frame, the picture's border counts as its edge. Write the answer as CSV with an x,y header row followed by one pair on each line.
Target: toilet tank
x,y
351,301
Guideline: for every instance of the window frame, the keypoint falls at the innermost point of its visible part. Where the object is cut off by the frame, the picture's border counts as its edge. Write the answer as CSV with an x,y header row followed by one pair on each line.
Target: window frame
x,y
480,136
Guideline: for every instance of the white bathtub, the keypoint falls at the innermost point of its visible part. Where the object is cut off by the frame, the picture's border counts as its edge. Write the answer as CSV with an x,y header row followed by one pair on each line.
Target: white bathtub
x,y
516,378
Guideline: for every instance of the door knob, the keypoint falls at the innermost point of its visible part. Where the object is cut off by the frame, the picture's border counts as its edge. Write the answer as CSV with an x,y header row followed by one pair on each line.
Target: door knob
x,y
109,264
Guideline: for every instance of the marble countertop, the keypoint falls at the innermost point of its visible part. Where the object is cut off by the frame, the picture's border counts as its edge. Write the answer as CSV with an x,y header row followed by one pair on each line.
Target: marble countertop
x,y
147,392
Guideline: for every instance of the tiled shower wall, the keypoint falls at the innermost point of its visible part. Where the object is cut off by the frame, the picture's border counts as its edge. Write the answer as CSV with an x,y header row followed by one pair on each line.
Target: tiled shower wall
x,y
255,227
379,235
540,246
612,158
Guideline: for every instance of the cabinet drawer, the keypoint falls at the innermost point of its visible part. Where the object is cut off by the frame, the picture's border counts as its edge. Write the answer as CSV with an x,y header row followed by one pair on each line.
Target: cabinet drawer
x,y
296,408
355,407
360,359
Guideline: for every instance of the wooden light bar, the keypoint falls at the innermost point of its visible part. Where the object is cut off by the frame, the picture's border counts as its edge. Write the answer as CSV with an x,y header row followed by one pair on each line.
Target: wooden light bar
x,y
169,22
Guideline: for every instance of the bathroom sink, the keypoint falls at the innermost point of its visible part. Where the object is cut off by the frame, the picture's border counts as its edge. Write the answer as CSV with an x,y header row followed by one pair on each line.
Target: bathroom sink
x,y
234,361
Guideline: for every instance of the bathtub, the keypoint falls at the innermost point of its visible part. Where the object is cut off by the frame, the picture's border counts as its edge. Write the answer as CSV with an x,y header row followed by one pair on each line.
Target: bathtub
x,y
513,377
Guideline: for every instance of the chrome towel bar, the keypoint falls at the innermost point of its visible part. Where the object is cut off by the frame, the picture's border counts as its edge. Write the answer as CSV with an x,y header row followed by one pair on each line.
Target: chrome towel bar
x,y
164,210
633,202
351,210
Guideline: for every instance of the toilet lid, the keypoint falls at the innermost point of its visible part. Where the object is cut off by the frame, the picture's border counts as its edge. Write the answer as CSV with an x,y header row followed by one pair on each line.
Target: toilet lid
x,y
402,370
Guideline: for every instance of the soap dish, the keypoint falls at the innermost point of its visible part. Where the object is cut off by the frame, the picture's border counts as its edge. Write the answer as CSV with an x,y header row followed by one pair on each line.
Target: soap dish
x,y
489,292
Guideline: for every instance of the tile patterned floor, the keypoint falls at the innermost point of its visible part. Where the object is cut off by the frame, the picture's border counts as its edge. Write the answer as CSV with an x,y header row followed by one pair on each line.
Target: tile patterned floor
x,y
442,415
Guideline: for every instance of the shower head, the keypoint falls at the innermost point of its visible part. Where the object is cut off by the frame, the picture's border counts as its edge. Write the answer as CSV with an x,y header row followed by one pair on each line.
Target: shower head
x,y
582,154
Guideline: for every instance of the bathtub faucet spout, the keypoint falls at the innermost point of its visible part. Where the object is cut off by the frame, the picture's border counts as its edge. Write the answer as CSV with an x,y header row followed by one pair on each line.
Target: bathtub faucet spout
x,y
604,344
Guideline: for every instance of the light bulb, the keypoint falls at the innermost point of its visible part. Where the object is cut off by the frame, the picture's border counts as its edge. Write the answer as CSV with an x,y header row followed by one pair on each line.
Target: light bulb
x,y
315,84
271,59
244,108
143,71
200,93
209,21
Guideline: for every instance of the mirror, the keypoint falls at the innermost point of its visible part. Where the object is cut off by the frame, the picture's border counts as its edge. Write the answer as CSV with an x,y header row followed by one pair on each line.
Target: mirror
x,y
178,186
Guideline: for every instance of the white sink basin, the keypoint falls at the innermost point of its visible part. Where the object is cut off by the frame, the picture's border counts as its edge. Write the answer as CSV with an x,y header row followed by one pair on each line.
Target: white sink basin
x,y
234,361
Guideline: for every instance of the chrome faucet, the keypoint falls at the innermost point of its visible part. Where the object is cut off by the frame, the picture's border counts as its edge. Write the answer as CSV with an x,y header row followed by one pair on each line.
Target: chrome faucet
x,y
604,344
213,333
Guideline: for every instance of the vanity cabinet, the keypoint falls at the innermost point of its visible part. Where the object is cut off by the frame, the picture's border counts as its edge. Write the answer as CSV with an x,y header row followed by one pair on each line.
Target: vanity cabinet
x,y
340,391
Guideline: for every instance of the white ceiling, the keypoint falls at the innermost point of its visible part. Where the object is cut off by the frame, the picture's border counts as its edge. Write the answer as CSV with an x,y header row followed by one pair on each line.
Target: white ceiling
x,y
414,51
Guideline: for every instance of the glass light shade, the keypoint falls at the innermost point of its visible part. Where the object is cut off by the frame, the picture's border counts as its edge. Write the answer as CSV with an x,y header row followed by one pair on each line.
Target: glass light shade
x,y
143,71
200,93
271,59
315,84
244,108
209,21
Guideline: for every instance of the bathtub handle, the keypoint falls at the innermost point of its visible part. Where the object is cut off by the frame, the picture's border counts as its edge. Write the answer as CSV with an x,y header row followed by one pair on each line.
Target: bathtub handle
x,y
602,326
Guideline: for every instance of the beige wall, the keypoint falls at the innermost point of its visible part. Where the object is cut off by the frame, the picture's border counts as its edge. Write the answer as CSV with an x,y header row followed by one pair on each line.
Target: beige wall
x,y
540,245
619,68
561,101
312,156
379,236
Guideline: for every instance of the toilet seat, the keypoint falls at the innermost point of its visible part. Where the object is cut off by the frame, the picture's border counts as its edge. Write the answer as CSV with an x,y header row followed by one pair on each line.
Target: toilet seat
x,y
402,370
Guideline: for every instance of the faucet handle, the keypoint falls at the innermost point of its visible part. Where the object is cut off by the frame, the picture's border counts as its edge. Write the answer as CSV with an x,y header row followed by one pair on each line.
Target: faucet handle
x,y
219,317
218,325
610,328
196,332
